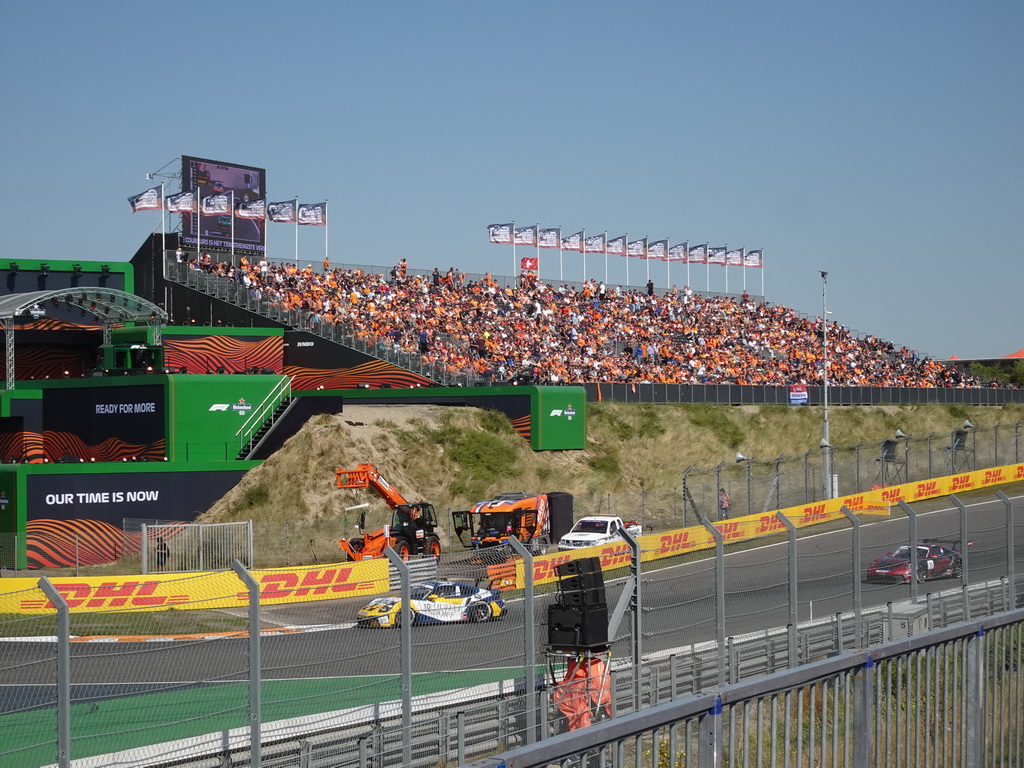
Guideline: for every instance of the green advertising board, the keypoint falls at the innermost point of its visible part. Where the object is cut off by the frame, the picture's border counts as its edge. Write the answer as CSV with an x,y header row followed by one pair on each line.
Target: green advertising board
x,y
559,416
207,413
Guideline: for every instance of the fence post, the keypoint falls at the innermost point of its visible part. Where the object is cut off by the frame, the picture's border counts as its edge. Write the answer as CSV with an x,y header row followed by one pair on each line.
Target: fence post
x,y
255,664
964,576
405,630
248,541
856,452
1010,570
637,624
144,550
807,478
912,516
794,619
718,484
63,672
863,714
686,494
855,549
529,639
749,508
974,746
719,595
709,754
778,480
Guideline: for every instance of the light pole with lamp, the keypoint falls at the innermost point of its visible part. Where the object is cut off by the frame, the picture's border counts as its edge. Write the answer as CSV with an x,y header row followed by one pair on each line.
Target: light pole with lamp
x,y
826,447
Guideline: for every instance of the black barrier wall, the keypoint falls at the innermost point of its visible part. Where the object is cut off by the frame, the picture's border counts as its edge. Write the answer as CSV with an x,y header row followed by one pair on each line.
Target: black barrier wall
x,y
735,394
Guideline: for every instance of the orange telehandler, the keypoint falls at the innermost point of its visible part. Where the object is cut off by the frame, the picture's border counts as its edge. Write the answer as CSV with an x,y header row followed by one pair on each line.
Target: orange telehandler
x,y
412,524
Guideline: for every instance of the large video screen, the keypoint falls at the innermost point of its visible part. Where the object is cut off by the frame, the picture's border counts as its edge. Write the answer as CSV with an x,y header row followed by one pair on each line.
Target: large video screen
x,y
212,177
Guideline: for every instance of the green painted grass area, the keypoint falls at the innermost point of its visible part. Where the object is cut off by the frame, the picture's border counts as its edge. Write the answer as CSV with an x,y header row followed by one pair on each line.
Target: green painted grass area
x,y
129,722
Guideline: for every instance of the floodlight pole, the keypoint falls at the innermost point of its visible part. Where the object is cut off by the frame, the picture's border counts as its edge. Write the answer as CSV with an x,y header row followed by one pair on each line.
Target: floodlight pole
x,y
826,446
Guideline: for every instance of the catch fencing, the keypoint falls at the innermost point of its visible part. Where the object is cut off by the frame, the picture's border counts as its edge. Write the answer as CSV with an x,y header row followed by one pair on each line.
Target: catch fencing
x,y
204,689
759,484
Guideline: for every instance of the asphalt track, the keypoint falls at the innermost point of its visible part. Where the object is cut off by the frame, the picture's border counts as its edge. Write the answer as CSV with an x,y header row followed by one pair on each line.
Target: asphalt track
x,y
334,665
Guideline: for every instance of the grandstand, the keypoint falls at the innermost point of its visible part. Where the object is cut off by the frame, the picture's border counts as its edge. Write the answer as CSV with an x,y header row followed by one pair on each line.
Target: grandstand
x,y
488,330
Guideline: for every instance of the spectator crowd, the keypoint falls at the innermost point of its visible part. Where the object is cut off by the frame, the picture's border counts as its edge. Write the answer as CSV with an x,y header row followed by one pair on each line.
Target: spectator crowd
x,y
540,333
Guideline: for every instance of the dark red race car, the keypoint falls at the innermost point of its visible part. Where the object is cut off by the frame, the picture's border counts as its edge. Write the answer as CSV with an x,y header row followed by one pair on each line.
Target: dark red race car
x,y
935,559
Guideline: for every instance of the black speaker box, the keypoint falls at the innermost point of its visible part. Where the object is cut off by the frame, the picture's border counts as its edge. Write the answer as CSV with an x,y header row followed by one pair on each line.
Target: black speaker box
x,y
580,597
580,565
581,582
578,627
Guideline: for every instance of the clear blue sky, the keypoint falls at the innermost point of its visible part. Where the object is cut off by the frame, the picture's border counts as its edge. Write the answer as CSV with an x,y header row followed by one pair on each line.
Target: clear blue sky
x,y
879,141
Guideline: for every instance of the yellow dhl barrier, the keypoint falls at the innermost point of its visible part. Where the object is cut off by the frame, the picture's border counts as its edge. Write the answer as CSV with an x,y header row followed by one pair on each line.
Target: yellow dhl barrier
x,y
199,591
671,543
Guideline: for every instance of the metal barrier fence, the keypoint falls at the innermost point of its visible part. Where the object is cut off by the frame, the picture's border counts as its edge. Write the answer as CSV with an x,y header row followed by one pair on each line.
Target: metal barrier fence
x,y
216,693
948,698
195,547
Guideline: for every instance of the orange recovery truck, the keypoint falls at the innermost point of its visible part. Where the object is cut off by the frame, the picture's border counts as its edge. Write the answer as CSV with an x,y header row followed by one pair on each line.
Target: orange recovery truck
x,y
537,521
413,524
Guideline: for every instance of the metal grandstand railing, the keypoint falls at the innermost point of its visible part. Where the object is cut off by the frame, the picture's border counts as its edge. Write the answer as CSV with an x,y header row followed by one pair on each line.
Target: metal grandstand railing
x,y
267,411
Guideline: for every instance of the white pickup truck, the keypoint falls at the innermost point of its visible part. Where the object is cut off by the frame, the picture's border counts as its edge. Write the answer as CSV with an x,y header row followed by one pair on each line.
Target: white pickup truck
x,y
597,529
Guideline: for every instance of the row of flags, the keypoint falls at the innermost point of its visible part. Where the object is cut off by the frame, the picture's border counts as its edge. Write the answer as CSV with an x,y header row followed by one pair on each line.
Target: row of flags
x,y
683,253
221,203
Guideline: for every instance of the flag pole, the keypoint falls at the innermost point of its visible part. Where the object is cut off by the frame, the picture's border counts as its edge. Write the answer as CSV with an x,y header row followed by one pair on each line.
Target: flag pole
x,y
707,269
232,212
668,265
726,265
513,252
744,270
327,256
163,222
647,261
536,242
295,216
687,263
583,250
606,257
561,278
625,252
762,274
